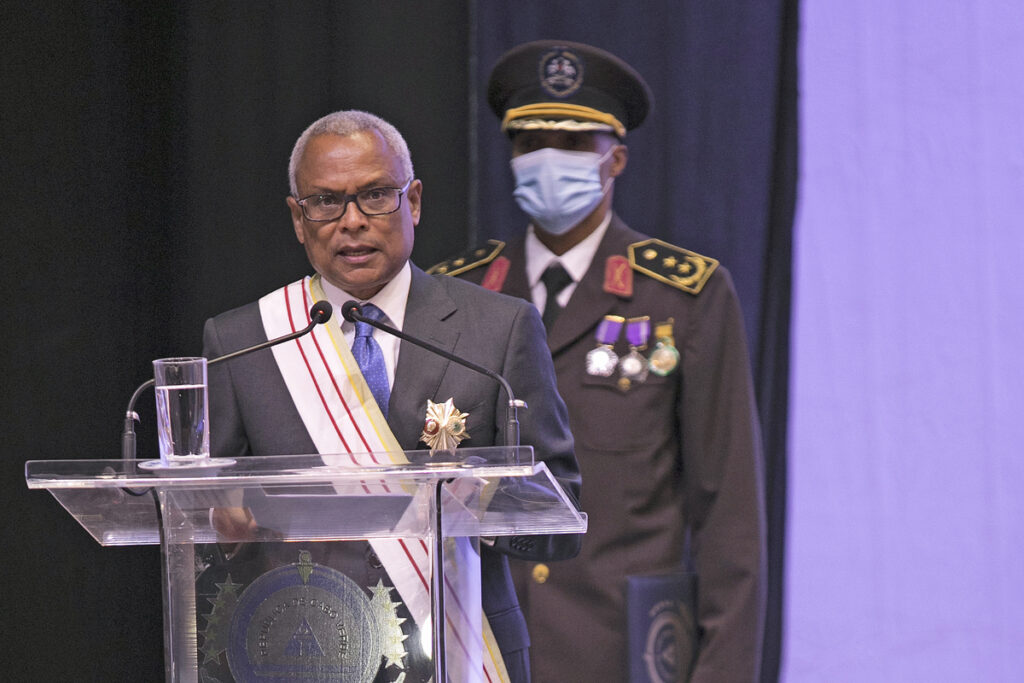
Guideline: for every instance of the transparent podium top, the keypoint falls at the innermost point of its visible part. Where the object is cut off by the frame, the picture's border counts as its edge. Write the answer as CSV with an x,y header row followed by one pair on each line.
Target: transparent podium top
x,y
491,491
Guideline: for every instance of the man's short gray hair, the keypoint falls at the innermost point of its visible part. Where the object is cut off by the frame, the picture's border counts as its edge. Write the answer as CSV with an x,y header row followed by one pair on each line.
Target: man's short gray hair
x,y
346,123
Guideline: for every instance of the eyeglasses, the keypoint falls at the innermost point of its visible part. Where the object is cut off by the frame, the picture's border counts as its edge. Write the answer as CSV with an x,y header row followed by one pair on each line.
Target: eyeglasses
x,y
376,201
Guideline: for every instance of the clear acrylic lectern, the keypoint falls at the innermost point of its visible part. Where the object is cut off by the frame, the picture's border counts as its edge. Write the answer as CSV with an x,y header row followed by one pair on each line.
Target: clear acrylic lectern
x,y
291,568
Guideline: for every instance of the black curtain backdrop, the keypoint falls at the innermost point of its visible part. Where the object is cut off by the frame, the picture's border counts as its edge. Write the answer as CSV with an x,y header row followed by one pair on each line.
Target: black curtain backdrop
x,y
143,159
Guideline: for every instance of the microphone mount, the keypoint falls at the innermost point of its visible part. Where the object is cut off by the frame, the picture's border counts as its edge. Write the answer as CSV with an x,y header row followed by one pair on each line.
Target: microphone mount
x,y
353,312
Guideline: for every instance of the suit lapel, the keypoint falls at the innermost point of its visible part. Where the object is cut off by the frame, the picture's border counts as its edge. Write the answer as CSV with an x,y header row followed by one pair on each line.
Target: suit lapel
x,y
419,372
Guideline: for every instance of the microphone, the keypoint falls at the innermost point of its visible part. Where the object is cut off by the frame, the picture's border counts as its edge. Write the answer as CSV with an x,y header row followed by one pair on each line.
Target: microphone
x,y
319,313
353,312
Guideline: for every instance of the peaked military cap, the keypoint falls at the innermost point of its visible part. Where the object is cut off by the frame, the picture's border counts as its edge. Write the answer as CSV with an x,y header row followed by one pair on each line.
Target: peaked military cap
x,y
559,85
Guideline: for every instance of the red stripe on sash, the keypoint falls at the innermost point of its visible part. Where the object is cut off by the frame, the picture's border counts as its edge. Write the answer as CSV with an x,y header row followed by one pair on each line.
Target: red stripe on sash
x,y
316,384
426,584
309,368
348,412
337,390
412,561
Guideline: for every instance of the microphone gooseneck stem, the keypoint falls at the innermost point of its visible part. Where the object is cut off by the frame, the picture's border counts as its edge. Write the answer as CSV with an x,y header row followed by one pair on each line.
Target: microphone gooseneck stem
x,y
319,313
268,343
353,312
131,417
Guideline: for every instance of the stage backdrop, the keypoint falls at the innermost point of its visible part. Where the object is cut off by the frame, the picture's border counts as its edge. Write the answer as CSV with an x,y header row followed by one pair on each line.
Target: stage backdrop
x,y
144,158
906,546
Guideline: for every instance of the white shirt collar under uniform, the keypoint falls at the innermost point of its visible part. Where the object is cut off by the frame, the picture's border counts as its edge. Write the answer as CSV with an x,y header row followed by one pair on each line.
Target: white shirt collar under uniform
x,y
392,299
576,261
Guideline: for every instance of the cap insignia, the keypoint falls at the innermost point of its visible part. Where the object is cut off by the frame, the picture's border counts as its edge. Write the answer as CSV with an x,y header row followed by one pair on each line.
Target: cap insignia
x,y
681,268
561,72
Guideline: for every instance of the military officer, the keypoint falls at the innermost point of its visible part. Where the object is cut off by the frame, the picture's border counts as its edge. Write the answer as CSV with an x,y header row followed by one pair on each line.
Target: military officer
x,y
650,355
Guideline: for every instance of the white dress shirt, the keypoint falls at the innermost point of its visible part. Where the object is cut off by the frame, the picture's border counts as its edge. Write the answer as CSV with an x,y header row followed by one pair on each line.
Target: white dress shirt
x,y
576,261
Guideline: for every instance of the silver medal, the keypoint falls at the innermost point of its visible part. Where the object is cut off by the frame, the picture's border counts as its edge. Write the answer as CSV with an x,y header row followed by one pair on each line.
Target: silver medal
x,y
601,361
633,366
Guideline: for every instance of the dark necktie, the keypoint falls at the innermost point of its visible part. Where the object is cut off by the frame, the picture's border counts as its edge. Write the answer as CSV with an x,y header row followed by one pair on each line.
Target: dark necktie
x,y
371,359
555,279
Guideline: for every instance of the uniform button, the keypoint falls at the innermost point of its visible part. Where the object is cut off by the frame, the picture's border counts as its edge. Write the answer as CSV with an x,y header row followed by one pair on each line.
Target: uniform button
x,y
541,572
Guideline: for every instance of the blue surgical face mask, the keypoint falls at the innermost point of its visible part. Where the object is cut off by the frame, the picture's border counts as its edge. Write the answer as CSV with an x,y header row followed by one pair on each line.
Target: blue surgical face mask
x,y
559,188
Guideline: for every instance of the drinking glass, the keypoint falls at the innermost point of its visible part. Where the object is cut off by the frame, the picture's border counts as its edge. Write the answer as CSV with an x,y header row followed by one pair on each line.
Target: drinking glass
x,y
182,413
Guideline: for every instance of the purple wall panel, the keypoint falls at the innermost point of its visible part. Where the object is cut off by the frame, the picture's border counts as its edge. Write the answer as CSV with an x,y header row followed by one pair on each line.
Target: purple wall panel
x,y
906,528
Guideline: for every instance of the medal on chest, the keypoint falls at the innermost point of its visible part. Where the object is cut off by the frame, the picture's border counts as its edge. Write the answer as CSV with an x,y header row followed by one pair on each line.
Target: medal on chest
x,y
601,361
633,366
665,356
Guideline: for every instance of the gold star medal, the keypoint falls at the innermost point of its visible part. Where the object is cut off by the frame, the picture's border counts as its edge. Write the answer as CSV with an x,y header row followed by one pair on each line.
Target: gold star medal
x,y
601,361
444,427
664,357
633,366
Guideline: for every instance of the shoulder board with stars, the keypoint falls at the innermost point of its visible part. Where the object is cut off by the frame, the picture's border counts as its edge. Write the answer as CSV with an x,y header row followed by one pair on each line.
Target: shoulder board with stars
x,y
468,260
681,268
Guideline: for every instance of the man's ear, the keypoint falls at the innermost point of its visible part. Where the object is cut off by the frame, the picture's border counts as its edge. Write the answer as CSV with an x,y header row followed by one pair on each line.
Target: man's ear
x,y
414,196
296,211
620,157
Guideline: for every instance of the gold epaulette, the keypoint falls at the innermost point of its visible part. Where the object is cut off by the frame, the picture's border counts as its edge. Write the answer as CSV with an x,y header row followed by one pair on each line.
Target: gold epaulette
x,y
672,265
468,260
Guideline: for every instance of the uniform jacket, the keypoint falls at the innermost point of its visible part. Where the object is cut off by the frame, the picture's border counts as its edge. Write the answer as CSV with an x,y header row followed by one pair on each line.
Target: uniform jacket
x,y
668,458
251,412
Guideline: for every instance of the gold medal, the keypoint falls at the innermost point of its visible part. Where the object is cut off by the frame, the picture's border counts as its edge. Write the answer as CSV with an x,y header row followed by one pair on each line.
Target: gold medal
x,y
665,356
445,426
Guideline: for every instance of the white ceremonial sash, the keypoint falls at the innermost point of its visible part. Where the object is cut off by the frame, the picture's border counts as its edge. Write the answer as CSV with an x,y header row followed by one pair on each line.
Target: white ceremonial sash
x,y
347,426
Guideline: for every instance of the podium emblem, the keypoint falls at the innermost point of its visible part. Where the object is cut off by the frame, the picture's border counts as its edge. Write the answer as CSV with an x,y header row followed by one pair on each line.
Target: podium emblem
x,y
305,622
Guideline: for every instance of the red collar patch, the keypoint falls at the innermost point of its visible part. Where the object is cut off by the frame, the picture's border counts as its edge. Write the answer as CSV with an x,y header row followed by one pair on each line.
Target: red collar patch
x,y
494,278
618,276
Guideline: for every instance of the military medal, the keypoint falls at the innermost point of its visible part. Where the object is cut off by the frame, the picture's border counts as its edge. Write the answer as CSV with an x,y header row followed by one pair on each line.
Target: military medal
x,y
445,426
664,357
602,360
633,366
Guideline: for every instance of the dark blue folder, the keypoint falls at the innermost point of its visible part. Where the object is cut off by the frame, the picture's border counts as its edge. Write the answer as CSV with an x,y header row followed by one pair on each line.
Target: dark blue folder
x,y
661,626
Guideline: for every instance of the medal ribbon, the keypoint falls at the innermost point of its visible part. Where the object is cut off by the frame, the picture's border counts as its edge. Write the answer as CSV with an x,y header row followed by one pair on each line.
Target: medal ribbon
x,y
638,331
608,329
347,427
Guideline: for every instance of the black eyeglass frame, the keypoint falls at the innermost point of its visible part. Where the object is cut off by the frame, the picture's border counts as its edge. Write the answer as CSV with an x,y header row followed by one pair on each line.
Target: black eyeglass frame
x,y
354,198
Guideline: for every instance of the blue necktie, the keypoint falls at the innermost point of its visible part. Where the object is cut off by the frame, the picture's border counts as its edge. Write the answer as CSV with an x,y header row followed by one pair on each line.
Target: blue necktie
x,y
371,359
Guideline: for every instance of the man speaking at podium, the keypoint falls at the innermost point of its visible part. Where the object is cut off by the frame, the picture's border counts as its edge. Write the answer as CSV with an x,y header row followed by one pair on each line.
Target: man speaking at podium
x,y
354,204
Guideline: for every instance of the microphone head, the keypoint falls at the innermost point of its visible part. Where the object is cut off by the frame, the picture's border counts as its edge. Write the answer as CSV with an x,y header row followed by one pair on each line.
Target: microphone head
x,y
349,308
321,311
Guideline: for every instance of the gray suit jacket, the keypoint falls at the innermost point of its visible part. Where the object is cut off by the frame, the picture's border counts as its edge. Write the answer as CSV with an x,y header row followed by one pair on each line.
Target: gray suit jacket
x,y
251,412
